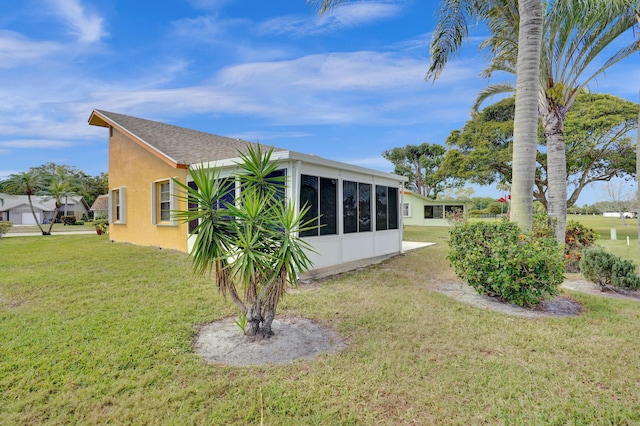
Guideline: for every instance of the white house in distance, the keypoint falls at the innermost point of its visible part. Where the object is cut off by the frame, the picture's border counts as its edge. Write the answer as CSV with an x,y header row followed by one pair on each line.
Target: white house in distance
x,y
359,208
15,208
424,211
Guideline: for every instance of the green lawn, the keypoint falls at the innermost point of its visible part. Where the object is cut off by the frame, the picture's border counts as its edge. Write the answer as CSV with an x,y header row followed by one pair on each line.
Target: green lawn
x,y
603,225
57,227
99,333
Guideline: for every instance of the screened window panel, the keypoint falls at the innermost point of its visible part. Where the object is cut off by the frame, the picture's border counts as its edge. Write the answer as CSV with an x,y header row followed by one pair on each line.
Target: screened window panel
x,y
328,206
393,208
349,206
381,208
309,198
364,207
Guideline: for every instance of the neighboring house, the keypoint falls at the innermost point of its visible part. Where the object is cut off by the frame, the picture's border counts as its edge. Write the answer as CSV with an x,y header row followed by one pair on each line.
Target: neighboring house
x,y
420,210
16,208
359,207
100,207
626,215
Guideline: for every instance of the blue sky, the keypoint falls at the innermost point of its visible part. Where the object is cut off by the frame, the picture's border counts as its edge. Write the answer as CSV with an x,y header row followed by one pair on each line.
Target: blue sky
x,y
346,86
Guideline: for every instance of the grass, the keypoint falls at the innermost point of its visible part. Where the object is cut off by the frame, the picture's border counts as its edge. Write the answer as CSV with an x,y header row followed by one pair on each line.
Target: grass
x,y
96,333
57,227
604,225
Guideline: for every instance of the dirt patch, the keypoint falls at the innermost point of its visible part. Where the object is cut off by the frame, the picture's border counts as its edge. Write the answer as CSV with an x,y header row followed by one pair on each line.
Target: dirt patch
x,y
561,306
588,287
222,342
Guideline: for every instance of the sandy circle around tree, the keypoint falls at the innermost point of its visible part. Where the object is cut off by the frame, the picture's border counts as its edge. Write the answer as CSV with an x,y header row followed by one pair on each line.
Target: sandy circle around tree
x,y
222,342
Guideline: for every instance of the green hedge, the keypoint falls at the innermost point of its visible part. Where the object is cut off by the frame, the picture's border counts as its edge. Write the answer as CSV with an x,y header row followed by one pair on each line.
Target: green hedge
x,y
5,226
606,269
498,259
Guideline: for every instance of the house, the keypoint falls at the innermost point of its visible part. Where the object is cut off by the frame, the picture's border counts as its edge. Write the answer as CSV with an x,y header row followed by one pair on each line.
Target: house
x,y
17,210
100,207
421,210
359,207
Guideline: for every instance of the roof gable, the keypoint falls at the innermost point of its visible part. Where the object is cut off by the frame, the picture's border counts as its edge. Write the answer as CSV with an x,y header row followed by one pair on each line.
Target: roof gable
x,y
101,203
179,145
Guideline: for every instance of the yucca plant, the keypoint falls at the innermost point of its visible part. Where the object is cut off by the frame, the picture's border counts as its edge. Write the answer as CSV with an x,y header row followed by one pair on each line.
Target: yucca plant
x,y
250,245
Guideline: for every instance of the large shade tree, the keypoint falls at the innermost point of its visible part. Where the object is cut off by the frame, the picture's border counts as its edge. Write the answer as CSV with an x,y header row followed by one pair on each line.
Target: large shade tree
x,y
578,35
599,145
422,165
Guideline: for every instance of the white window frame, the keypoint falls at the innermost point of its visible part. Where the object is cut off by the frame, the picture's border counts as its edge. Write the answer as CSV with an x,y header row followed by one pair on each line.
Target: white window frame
x,y
406,210
156,201
118,199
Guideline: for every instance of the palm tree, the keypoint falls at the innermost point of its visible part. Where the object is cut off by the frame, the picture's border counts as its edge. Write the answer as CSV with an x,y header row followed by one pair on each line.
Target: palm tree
x,y
251,243
576,34
449,35
28,183
61,185
525,122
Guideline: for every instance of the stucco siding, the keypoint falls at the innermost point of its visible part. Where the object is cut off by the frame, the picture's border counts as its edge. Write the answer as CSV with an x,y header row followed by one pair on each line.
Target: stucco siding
x,y
135,168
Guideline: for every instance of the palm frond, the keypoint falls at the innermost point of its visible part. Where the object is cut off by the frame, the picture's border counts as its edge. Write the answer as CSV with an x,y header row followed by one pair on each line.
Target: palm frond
x,y
489,91
450,32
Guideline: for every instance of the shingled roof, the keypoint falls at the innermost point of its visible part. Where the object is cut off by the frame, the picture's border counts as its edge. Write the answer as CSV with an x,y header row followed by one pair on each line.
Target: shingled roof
x,y
179,145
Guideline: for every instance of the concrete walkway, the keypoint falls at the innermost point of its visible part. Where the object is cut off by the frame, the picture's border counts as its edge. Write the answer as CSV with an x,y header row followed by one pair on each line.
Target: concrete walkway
x,y
412,245
39,234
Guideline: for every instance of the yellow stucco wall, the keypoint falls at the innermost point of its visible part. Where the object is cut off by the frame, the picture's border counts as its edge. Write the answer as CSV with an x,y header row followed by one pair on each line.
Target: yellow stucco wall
x,y
135,168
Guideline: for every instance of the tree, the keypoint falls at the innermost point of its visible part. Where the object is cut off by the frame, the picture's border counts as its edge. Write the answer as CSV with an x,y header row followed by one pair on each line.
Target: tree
x,y
26,183
576,34
60,185
448,36
422,165
525,127
251,244
618,195
89,187
598,145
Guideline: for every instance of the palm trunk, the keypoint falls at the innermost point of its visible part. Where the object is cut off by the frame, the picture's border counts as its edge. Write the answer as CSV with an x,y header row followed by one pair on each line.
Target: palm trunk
x,y
553,122
35,218
638,177
525,131
55,215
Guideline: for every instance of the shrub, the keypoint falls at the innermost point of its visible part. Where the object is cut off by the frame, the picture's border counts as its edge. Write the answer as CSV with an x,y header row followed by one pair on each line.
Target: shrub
x,y
606,269
102,225
498,259
5,226
577,239
68,220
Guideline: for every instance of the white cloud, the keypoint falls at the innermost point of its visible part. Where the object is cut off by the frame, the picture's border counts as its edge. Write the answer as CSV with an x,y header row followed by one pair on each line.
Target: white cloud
x,y
378,163
346,16
87,26
17,50
209,4
35,143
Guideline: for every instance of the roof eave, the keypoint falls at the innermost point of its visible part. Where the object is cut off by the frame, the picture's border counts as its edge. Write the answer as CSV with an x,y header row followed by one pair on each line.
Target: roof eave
x,y
101,120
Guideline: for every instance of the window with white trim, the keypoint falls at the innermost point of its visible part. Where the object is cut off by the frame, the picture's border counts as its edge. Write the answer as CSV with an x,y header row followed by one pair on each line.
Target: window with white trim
x,y
406,209
117,206
163,202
